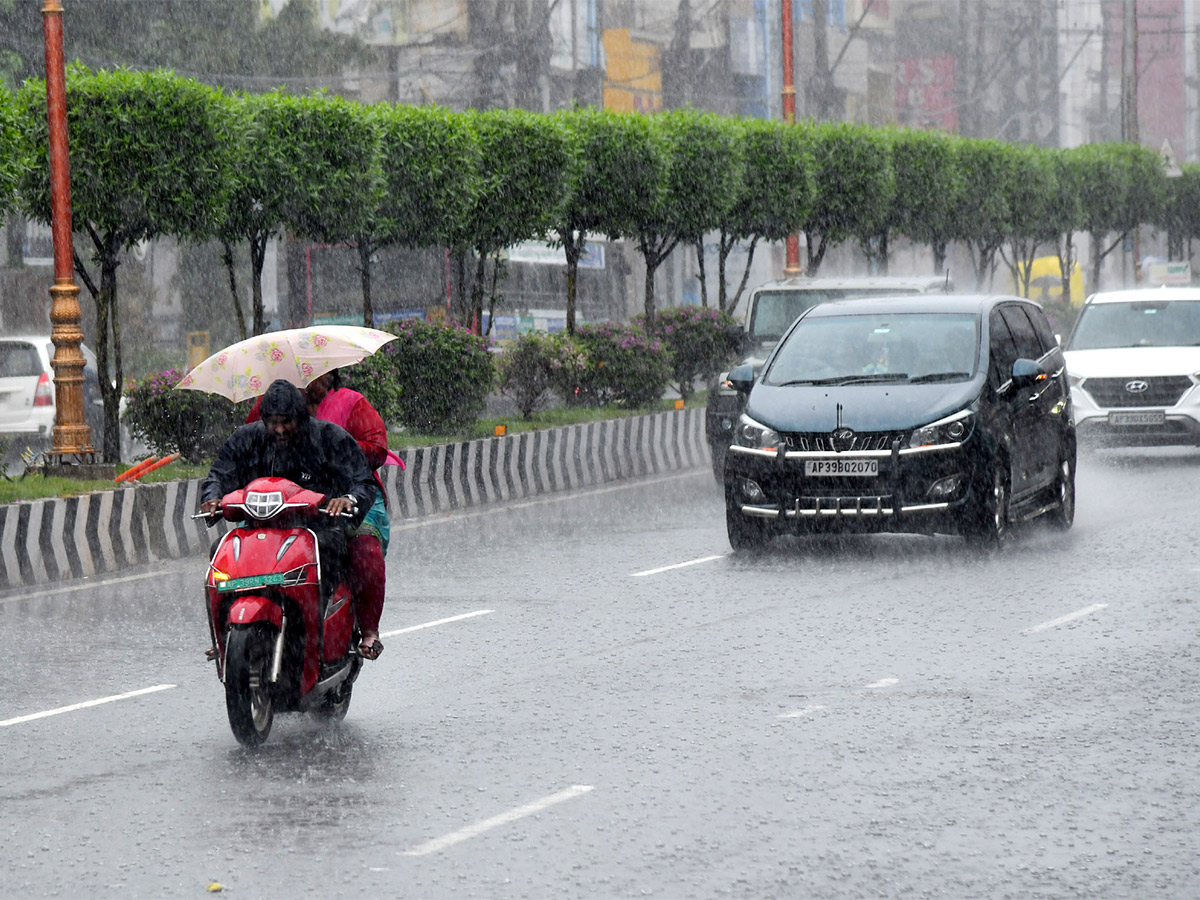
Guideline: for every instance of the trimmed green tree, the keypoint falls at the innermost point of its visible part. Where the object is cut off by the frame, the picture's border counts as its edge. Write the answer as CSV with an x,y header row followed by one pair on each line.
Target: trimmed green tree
x,y
703,166
928,184
773,197
1181,211
149,152
983,216
429,165
524,159
615,166
12,162
1031,204
855,186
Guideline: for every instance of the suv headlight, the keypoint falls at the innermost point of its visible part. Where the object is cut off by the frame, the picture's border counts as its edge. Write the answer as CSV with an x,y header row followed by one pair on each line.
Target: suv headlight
x,y
951,430
755,435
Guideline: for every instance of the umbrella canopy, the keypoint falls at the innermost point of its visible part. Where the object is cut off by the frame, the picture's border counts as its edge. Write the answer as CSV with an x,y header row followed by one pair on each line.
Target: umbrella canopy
x,y
300,355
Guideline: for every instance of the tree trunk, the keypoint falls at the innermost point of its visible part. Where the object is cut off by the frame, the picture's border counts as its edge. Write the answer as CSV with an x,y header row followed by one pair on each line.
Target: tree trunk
x,y
745,274
476,323
227,258
572,247
258,255
364,272
814,255
700,265
110,325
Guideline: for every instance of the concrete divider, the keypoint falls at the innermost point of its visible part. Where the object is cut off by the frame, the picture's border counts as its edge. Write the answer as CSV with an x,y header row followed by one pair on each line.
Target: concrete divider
x,y
52,540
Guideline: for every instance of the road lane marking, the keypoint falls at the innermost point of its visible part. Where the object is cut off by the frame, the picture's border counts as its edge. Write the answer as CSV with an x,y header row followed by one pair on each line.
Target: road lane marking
x,y
882,683
54,592
800,713
1062,620
74,706
682,565
529,809
470,615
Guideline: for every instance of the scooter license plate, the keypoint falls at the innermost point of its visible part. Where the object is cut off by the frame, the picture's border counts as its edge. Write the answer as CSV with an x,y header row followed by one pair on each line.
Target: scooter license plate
x,y
250,581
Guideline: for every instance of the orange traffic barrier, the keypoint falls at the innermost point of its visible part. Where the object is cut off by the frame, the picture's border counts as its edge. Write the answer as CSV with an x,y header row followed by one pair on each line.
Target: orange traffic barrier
x,y
158,465
134,471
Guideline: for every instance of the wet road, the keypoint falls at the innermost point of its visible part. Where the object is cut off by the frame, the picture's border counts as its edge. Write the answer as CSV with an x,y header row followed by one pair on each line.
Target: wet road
x,y
606,702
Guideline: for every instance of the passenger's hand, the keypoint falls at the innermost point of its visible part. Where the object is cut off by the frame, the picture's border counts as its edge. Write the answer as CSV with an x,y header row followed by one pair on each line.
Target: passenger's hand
x,y
338,505
210,507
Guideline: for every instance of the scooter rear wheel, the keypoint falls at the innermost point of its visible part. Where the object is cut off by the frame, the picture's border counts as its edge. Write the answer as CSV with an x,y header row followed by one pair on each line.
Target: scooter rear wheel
x,y
247,688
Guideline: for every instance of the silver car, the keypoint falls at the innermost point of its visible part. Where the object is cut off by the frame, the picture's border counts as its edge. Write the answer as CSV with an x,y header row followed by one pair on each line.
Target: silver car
x,y
27,391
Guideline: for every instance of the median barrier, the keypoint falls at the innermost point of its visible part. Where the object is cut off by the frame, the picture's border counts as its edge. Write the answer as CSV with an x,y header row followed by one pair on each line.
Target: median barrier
x,y
74,537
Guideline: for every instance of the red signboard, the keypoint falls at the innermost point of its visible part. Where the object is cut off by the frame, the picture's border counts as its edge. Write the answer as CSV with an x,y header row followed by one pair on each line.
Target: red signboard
x,y
925,92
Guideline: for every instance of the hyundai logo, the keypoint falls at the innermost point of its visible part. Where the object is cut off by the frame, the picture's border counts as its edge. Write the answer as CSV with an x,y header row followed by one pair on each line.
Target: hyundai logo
x,y
1137,386
841,439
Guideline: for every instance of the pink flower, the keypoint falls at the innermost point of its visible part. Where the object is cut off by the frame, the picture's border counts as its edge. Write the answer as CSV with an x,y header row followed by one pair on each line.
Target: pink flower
x,y
221,359
276,355
320,340
254,383
306,369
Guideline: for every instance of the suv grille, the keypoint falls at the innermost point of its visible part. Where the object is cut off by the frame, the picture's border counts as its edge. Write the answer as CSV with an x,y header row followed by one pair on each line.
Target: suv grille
x,y
822,442
1160,391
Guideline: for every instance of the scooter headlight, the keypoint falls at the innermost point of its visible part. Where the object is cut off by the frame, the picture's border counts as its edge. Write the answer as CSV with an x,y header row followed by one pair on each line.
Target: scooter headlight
x,y
263,504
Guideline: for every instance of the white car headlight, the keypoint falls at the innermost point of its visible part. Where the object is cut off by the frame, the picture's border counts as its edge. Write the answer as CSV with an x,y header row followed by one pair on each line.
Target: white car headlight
x,y
951,430
755,435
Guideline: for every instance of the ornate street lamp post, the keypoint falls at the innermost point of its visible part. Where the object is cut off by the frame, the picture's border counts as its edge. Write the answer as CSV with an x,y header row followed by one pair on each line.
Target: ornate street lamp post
x,y
71,434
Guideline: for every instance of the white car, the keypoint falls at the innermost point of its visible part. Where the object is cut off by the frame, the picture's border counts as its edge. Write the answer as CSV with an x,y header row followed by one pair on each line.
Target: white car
x,y
1134,362
27,392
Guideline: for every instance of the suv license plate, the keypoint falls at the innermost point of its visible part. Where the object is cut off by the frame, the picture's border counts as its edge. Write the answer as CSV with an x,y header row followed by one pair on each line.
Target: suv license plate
x,y
1144,417
867,468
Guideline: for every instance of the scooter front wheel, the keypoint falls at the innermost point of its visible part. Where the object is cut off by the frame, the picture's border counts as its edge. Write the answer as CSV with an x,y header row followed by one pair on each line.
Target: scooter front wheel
x,y
247,688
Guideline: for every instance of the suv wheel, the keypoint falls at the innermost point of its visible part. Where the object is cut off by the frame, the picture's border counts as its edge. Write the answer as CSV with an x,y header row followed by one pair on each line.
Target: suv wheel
x,y
744,533
991,525
1063,515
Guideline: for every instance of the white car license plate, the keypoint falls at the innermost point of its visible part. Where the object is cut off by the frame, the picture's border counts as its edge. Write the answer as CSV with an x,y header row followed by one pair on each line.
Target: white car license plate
x,y
867,468
1139,417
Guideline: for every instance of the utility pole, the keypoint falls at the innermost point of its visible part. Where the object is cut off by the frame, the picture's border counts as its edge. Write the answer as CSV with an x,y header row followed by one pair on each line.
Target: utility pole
x,y
791,266
1129,116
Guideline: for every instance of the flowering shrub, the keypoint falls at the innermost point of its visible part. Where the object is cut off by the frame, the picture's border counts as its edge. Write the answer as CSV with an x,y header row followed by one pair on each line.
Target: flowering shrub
x,y
193,424
524,371
697,339
434,378
624,365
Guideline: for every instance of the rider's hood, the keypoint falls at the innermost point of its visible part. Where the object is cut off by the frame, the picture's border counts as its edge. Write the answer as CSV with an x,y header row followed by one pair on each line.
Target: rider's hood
x,y
284,399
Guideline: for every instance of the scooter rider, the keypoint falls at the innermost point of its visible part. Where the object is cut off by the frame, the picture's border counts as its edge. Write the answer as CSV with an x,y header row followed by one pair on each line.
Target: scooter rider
x,y
289,443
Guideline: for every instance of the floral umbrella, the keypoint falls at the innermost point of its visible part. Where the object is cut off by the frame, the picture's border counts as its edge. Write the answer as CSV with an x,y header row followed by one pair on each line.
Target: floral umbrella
x,y
300,355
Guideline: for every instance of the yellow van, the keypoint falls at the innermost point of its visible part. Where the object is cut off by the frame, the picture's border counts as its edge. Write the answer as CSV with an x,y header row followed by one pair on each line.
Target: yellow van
x,y
1045,282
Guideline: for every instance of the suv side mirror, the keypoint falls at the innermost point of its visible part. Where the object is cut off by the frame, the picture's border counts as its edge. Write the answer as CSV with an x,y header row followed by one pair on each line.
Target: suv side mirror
x,y
741,378
735,337
1027,373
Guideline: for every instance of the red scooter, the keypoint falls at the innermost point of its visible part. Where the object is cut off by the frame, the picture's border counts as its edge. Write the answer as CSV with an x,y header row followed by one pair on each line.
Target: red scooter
x,y
284,640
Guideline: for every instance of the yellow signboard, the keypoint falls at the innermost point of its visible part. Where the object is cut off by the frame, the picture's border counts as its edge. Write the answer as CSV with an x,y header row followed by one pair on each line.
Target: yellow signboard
x,y
197,344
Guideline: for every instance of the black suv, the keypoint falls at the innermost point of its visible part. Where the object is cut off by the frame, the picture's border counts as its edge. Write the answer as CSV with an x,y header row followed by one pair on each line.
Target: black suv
x,y
767,315
925,414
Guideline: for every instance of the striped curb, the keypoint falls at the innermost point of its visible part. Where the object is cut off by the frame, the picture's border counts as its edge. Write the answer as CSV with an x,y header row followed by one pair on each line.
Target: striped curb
x,y
73,537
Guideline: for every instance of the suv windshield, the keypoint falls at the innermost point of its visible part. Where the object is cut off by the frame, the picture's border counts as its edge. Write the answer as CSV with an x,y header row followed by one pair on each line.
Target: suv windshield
x,y
910,347
1153,323
774,311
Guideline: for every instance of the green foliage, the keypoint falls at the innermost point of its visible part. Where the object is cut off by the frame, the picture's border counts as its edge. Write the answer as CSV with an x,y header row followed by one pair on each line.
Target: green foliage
x,y
625,366
193,424
435,377
12,162
776,190
695,336
856,186
523,372
928,184
430,163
